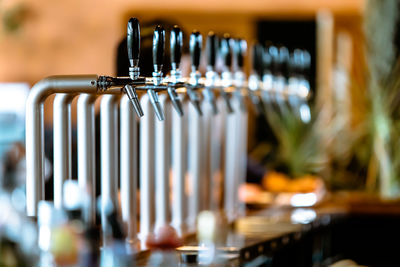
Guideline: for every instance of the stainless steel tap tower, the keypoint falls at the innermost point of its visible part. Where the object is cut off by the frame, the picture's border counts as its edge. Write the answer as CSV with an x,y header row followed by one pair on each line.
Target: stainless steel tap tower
x,y
193,134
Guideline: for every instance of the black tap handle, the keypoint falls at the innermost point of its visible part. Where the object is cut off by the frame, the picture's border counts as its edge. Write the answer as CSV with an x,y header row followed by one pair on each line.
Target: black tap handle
x,y
133,41
158,48
267,60
284,61
195,45
212,49
275,62
257,58
240,48
176,46
226,51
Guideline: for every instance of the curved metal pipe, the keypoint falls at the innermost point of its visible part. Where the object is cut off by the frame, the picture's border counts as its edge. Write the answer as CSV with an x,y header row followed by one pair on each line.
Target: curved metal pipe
x,y
128,170
62,144
108,159
146,175
179,166
87,153
241,162
35,128
215,139
194,164
162,157
231,156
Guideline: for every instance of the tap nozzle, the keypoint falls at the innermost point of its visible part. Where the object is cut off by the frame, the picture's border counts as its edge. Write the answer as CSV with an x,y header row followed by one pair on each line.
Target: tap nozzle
x,y
133,97
158,58
195,45
176,52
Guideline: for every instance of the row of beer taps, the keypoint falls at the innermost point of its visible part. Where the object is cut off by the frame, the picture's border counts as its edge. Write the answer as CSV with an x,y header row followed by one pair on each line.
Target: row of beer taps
x,y
276,73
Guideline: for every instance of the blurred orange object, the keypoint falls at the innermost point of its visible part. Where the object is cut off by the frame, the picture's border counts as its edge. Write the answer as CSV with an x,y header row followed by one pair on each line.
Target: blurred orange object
x,y
275,182
279,182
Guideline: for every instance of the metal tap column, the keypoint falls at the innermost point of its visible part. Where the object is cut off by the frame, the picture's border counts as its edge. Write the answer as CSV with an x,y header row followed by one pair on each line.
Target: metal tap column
x,y
194,134
146,175
230,175
241,125
163,164
62,144
109,158
179,167
87,153
214,112
35,128
128,170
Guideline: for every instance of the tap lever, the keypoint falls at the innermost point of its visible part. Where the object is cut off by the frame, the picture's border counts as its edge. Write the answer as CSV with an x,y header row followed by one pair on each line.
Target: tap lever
x,y
158,58
158,48
240,48
195,45
133,44
176,41
257,59
211,49
176,47
211,75
226,52
133,97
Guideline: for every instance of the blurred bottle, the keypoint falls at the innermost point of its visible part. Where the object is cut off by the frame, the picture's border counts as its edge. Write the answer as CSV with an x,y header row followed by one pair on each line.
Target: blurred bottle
x,y
57,243
18,234
211,234
116,253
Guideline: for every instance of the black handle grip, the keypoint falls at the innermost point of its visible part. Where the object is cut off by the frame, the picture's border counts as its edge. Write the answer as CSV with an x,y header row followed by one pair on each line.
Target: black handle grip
x,y
195,44
226,50
133,41
273,51
240,51
158,47
267,59
176,45
284,60
257,58
212,49
295,62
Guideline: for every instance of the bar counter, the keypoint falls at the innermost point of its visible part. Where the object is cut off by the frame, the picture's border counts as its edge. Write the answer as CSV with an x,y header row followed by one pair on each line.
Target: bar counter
x,y
344,225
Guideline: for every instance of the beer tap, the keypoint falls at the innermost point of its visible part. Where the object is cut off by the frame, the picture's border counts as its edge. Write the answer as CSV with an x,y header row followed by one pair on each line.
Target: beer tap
x,y
133,43
305,64
211,75
257,54
281,72
176,53
267,55
158,58
226,54
239,50
195,45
